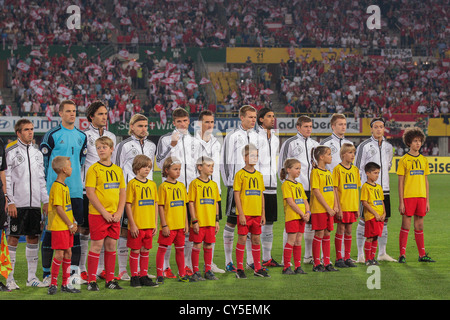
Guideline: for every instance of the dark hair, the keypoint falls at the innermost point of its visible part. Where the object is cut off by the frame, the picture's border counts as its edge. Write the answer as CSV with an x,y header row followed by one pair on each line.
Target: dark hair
x,y
92,109
179,113
262,113
205,113
371,166
63,103
288,163
377,119
411,133
19,124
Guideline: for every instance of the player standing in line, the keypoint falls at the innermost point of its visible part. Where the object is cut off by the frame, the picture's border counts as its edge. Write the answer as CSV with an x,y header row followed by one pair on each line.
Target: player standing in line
x,y
97,116
65,140
413,190
374,211
204,199
267,166
248,188
25,163
105,189
62,225
297,213
347,182
211,147
123,156
142,211
232,162
182,145
299,147
324,205
173,218
375,149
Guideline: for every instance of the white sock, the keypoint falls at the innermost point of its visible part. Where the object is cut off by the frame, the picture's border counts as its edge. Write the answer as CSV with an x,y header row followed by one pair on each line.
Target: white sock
x,y
32,255
101,261
12,257
122,254
382,241
360,239
167,257
188,251
84,242
309,237
228,239
248,246
284,244
267,241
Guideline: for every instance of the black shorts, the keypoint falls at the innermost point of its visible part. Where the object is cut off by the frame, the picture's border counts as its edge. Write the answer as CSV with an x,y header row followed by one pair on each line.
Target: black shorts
x,y
78,210
230,210
27,222
271,207
85,212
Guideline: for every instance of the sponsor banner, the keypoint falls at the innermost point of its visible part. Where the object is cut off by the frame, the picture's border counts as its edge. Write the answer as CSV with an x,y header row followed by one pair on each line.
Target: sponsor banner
x,y
397,124
320,125
437,165
397,53
274,55
41,124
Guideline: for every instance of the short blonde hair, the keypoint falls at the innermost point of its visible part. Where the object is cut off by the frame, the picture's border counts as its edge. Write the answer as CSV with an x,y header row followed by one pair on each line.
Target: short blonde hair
x,y
106,141
335,117
244,109
249,148
136,118
141,161
347,147
59,163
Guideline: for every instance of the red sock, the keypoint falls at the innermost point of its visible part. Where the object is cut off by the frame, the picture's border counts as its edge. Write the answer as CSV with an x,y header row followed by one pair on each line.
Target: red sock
x,y
373,249
66,271
418,235
55,271
240,250
287,254
326,248
338,238
160,260
179,258
317,243
348,246
207,255
143,263
195,257
403,240
110,265
134,261
93,259
367,250
256,253
297,256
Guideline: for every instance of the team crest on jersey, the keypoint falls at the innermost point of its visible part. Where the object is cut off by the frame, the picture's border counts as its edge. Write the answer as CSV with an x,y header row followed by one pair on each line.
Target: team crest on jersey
x,y
333,148
372,151
297,151
134,152
20,158
91,140
44,150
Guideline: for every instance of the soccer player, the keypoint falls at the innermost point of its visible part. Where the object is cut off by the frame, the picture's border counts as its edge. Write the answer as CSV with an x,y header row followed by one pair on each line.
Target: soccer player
x,y
105,189
413,190
142,211
267,165
204,199
347,182
27,191
296,211
248,188
337,139
123,156
375,149
65,140
374,211
324,205
211,146
62,225
173,218
3,197
97,116
182,145
299,147
232,162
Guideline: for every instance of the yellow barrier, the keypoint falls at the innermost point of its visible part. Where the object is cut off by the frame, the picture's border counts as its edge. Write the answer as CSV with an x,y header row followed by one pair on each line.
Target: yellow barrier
x,y
438,165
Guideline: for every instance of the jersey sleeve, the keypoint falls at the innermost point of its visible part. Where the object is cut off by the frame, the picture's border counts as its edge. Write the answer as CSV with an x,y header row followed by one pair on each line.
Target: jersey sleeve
x,y
336,176
315,180
46,147
130,192
192,195
427,167
401,168
122,179
237,184
91,177
286,191
58,195
364,193
161,195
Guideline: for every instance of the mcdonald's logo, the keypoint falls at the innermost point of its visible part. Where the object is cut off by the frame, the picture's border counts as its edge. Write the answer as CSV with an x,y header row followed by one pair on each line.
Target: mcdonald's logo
x,y
207,192
416,164
148,192
176,194
416,169
377,194
328,180
254,182
349,177
298,193
111,175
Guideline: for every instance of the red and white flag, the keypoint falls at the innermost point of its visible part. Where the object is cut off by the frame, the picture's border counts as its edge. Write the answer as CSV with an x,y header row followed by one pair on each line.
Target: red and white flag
x,y
205,81
63,90
199,42
124,54
36,53
163,117
48,113
22,66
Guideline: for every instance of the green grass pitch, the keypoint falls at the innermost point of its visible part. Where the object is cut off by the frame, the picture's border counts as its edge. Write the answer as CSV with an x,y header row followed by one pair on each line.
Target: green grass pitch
x,y
413,280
